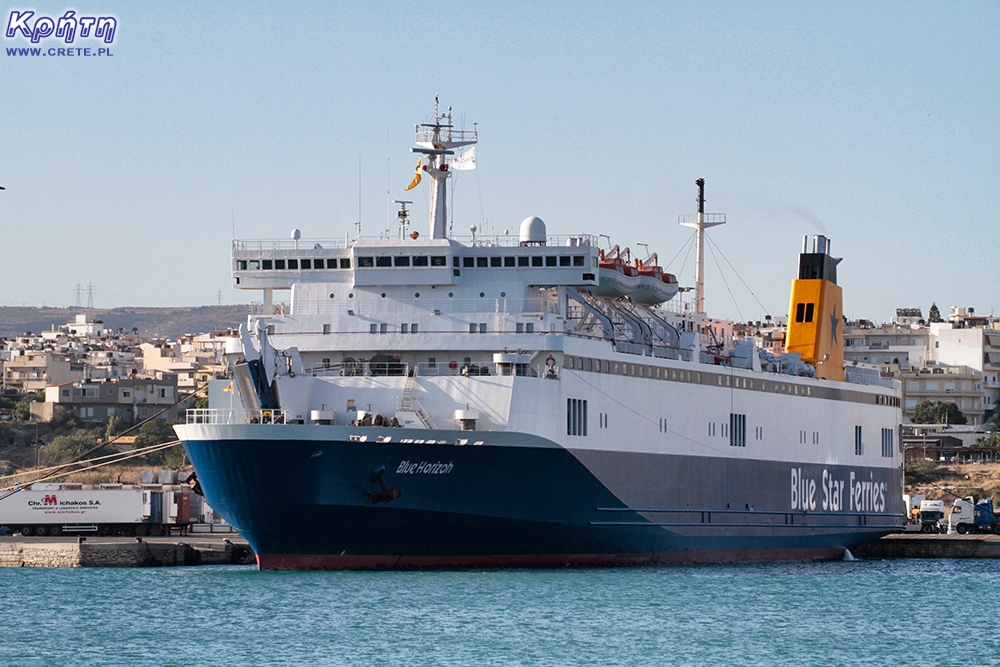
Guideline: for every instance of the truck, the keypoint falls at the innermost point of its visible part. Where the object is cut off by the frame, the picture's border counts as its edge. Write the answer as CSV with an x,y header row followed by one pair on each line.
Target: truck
x,y
912,503
968,516
52,510
932,516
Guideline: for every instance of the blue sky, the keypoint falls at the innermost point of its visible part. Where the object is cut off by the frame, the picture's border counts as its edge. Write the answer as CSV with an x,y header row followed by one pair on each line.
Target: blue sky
x,y
874,123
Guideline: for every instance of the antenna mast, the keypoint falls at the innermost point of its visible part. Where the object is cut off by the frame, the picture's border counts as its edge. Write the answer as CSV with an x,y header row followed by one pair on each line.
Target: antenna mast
x,y
437,140
701,221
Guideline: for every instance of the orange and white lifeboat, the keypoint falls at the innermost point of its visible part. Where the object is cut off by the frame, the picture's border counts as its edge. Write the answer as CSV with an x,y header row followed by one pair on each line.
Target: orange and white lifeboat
x,y
655,285
616,277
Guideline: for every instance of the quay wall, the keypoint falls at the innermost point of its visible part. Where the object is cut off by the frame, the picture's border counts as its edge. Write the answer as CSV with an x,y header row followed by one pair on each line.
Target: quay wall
x,y
932,546
117,554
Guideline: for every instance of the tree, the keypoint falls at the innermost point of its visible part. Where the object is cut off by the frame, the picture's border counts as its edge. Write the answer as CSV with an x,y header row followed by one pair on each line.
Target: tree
x,y
22,411
992,439
158,432
64,448
116,424
937,412
934,315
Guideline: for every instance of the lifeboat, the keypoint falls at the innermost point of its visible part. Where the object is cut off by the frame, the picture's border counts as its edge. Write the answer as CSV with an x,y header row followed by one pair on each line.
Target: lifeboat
x,y
616,278
655,285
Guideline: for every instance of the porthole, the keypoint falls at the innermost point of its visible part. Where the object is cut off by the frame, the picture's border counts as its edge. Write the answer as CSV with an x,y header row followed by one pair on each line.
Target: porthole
x,y
451,294
351,295
383,295
416,295
503,294
482,294
331,295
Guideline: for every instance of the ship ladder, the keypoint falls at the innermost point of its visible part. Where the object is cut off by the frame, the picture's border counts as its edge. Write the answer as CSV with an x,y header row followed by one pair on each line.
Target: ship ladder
x,y
409,404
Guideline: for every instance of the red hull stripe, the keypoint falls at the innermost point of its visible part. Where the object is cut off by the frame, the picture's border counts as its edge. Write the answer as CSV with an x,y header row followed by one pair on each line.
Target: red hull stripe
x,y
345,562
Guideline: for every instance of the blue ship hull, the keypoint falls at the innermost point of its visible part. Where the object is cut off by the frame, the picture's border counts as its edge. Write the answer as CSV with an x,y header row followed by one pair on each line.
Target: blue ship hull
x,y
516,500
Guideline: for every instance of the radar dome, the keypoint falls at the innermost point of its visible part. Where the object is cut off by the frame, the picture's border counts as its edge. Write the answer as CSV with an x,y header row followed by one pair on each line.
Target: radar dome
x,y
532,231
296,234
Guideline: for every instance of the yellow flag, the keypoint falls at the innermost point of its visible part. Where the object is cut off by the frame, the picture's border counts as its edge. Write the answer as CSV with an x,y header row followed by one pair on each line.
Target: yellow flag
x,y
416,177
228,387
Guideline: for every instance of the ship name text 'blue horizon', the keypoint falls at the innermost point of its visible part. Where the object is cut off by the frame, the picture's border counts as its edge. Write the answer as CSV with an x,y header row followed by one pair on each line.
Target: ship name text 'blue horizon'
x,y
424,468
65,27
862,496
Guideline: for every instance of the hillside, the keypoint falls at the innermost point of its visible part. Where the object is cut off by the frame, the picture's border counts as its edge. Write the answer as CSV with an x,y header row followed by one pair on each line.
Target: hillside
x,y
151,322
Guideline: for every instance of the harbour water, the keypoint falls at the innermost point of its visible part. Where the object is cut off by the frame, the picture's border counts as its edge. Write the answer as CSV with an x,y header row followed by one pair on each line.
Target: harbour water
x,y
897,612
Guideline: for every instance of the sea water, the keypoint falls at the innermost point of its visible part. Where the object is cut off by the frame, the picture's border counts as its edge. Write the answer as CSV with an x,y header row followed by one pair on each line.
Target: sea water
x,y
865,612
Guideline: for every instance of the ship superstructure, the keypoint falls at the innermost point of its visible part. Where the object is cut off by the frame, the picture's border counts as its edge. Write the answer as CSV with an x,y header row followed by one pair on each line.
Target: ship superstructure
x,y
531,400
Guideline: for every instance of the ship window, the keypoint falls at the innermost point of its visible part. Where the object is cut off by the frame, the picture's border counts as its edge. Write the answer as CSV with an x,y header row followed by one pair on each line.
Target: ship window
x,y
421,261
468,262
345,263
404,328
536,261
576,416
508,261
858,443
455,262
482,262
565,260
456,272
383,328
887,442
365,262
413,328
569,362
495,261
373,328
402,261
530,327
241,265
432,362
265,264
579,260
472,327
293,264
800,312
550,261
307,264
614,368
383,261
590,365
482,327
519,327
439,260
607,366
522,261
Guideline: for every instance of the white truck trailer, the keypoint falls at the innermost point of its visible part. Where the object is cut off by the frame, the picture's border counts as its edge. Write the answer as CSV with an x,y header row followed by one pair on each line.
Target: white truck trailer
x,y
99,511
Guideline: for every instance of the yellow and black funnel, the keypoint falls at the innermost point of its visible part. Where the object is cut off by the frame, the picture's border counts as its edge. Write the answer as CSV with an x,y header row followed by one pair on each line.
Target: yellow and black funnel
x,y
816,312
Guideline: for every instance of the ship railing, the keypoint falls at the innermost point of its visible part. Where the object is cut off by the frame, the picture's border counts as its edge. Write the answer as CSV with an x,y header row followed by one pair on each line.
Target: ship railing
x,y
228,416
480,240
502,306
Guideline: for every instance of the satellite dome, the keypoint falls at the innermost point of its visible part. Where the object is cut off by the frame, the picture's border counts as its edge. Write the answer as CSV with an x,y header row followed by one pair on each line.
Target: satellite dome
x,y
532,231
296,234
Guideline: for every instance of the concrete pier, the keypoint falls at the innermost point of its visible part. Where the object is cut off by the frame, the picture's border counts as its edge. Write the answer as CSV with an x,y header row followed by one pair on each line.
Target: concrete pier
x,y
918,545
123,552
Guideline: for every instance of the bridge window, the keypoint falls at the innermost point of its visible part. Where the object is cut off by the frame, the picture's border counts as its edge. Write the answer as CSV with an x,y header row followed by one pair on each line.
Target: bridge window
x,y
550,261
383,261
402,261
481,262
522,261
508,262
293,264
307,264
468,262
345,263
495,262
536,261
265,265
421,261
439,260
579,260
564,260
366,262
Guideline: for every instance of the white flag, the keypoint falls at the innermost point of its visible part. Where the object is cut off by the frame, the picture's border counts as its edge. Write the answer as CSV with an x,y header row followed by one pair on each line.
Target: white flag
x,y
466,160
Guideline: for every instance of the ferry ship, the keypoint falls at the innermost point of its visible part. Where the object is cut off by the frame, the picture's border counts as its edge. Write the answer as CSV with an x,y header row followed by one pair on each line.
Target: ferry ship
x,y
423,401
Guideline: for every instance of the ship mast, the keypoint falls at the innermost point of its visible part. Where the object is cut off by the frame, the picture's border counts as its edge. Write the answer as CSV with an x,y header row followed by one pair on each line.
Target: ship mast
x,y
701,221
437,140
